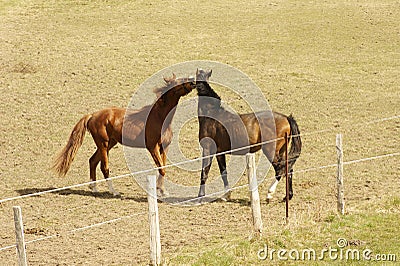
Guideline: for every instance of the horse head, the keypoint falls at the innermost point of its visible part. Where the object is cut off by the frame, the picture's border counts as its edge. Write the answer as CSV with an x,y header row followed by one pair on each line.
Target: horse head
x,y
176,88
203,75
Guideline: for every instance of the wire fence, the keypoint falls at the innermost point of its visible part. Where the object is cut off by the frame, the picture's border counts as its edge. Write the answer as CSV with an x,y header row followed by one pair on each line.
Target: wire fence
x,y
188,161
200,198
77,229
376,157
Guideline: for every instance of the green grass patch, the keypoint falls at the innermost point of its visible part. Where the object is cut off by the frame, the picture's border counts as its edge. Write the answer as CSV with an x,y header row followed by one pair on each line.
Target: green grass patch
x,y
354,229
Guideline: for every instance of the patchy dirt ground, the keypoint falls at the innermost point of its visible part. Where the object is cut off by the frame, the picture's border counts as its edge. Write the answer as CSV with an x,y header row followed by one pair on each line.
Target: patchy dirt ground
x,y
334,65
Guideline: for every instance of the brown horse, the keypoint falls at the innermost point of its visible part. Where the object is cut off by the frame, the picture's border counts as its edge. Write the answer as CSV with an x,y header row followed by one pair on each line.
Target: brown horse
x,y
221,131
148,127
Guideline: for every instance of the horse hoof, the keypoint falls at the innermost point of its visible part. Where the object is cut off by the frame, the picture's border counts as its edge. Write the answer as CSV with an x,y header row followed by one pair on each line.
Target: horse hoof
x,y
226,196
162,193
290,197
269,198
93,189
200,199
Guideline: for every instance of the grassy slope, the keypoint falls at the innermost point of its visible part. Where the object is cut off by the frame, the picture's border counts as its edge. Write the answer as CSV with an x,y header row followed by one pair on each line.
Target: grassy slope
x,y
371,231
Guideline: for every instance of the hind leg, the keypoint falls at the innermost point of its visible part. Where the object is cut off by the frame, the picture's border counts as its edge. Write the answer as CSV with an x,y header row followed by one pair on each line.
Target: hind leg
x,y
104,143
103,150
279,164
111,144
273,155
280,171
291,163
93,162
290,175
278,174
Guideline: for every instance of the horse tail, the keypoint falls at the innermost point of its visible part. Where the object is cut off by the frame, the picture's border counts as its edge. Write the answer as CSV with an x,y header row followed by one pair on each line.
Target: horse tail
x,y
64,159
295,147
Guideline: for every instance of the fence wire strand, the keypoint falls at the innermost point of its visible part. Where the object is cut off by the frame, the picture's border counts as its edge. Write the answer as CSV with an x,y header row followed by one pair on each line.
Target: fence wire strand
x,y
192,160
199,198
194,199
76,230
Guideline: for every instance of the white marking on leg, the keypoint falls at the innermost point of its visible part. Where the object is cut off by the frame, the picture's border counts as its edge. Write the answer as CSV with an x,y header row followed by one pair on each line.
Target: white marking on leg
x,y
93,188
272,188
161,188
111,188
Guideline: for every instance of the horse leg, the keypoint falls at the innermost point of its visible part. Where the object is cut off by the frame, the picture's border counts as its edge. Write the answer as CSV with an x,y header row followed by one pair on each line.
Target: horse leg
x,y
291,163
104,165
205,169
209,149
111,144
270,151
158,160
161,174
290,174
290,184
278,162
93,162
224,174
279,173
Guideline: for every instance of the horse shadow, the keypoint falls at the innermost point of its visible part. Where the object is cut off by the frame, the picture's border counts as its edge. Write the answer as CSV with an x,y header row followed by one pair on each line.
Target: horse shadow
x,y
80,192
141,199
194,201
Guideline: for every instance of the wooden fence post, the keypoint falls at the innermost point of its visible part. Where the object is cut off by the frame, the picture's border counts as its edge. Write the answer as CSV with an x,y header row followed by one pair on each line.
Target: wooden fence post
x,y
19,232
254,195
155,243
340,188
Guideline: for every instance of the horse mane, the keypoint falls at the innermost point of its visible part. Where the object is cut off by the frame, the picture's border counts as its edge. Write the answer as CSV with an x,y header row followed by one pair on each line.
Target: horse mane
x,y
159,92
169,83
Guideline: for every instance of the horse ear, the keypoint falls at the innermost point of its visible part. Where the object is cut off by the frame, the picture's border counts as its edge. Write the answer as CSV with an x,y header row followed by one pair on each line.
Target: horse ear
x,y
209,74
168,80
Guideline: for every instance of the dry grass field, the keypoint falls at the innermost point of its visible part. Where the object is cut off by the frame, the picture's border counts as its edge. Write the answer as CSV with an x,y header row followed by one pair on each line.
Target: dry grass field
x,y
332,64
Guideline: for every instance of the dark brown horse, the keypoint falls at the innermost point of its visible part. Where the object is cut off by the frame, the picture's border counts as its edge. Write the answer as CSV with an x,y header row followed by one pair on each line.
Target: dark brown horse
x,y
148,127
221,130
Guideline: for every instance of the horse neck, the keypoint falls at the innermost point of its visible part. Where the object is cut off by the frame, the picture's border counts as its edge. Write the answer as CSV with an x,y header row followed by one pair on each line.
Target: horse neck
x,y
208,105
209,100
204,89
167,111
